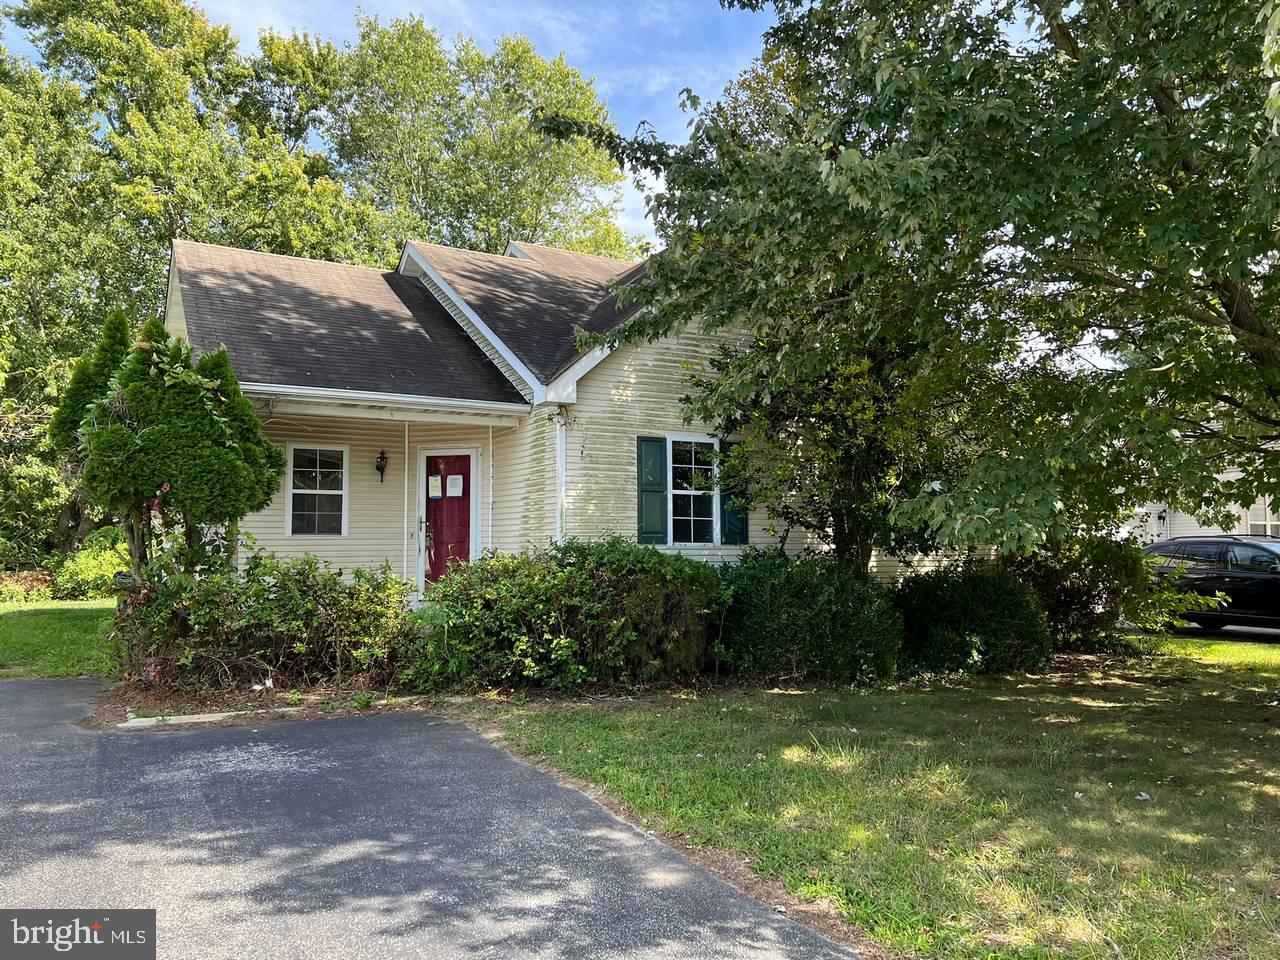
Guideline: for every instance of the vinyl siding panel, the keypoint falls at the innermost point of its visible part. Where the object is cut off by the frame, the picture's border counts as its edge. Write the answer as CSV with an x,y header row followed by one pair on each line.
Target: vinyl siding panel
x,y
375,511
1179,524
635,392
890,570
524,482
1147,524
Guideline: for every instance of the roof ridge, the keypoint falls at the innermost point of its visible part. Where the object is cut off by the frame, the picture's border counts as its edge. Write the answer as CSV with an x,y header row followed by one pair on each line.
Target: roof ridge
x,y
282,256
622,265
575,253
478,253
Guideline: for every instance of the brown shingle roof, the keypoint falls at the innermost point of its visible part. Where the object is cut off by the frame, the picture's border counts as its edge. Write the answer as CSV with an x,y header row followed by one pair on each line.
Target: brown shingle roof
x,y
286,320
534,306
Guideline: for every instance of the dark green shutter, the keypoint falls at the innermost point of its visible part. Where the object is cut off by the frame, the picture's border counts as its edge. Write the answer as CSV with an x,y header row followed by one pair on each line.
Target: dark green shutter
x,y
733,518
651,489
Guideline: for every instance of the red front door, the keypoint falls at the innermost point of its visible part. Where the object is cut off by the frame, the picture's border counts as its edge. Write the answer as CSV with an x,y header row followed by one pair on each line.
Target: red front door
x,y
448,535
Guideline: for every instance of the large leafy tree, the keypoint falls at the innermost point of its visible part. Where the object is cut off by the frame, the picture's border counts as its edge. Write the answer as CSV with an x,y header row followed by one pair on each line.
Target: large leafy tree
x,y
1083,199
54,263
121,141
441,136
843,408
1105,178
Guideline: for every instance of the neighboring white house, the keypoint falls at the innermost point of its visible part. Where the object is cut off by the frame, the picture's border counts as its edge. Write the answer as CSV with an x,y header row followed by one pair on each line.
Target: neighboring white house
x,y
444,408
1157,521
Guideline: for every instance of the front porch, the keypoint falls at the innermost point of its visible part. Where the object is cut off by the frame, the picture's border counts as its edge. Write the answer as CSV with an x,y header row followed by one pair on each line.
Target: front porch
x,y
443,467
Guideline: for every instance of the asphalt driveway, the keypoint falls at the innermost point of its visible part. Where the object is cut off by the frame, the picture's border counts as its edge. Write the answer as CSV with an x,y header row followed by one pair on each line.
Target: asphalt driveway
x,y
388,836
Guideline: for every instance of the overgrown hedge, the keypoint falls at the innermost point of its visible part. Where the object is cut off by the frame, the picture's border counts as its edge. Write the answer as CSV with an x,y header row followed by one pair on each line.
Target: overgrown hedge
x,y
976,618
808,617
572,614
294,622
1092,586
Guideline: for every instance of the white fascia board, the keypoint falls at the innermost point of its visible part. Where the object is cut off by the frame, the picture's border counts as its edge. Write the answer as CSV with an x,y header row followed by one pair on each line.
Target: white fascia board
x,y
406,401
537,386
515,252
276,407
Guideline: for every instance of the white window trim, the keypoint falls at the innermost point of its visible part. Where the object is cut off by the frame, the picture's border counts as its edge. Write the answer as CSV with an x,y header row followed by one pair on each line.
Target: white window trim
x,y
1269,505
671,495
289,491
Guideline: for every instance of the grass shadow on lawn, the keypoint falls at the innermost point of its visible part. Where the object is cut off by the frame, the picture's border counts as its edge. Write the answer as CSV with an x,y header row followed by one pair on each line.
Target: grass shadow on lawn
x,y
1111,809
56,638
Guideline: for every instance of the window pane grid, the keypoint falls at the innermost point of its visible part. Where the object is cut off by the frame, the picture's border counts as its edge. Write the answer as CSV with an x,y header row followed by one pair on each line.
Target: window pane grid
x,y
1263,517
693,491
316,494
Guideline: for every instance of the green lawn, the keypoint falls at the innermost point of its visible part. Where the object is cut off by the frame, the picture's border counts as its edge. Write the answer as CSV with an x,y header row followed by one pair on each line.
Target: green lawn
x,y
57,638
986,820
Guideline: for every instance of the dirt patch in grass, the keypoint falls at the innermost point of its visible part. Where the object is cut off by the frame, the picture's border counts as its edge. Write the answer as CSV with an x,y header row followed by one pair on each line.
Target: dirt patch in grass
x,y
28,581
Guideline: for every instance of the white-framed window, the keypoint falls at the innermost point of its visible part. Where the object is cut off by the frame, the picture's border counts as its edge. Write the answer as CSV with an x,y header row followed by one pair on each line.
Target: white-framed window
x,y
693,492
317,485
1263,518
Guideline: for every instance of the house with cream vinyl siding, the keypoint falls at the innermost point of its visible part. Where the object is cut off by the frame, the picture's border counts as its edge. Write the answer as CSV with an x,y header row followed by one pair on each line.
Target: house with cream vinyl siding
x,y
1159,521
443,409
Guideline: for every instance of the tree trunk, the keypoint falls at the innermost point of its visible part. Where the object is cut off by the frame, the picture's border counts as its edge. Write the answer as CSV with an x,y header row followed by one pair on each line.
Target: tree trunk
x,y
191,535
137,532
851,542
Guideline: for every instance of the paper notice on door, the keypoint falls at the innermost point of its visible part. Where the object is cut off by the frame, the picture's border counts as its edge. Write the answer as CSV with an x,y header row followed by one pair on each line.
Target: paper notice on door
x,y
454,486
433,486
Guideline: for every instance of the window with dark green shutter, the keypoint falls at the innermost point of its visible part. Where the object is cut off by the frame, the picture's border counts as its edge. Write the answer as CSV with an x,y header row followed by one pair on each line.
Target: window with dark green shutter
x,y
693,491
678,497
733,518
651,489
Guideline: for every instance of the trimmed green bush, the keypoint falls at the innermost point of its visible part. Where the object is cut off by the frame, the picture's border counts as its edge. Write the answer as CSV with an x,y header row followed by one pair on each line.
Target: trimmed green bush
x,y
90,571
296,622
576,613
808,617
165,439
976,619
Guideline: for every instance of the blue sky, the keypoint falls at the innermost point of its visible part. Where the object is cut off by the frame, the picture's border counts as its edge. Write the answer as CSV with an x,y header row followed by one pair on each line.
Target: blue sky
x,y
642,52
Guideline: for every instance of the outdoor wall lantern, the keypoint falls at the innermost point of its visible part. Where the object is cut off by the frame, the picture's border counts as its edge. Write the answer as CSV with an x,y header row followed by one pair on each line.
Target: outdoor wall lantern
x,y
381,465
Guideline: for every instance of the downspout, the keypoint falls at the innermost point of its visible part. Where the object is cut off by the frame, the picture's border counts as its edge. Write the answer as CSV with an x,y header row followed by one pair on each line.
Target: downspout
x,y
490,547
404,530
562,418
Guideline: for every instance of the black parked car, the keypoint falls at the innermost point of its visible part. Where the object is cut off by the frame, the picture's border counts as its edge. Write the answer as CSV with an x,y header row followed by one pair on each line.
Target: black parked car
x,y
1246,569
